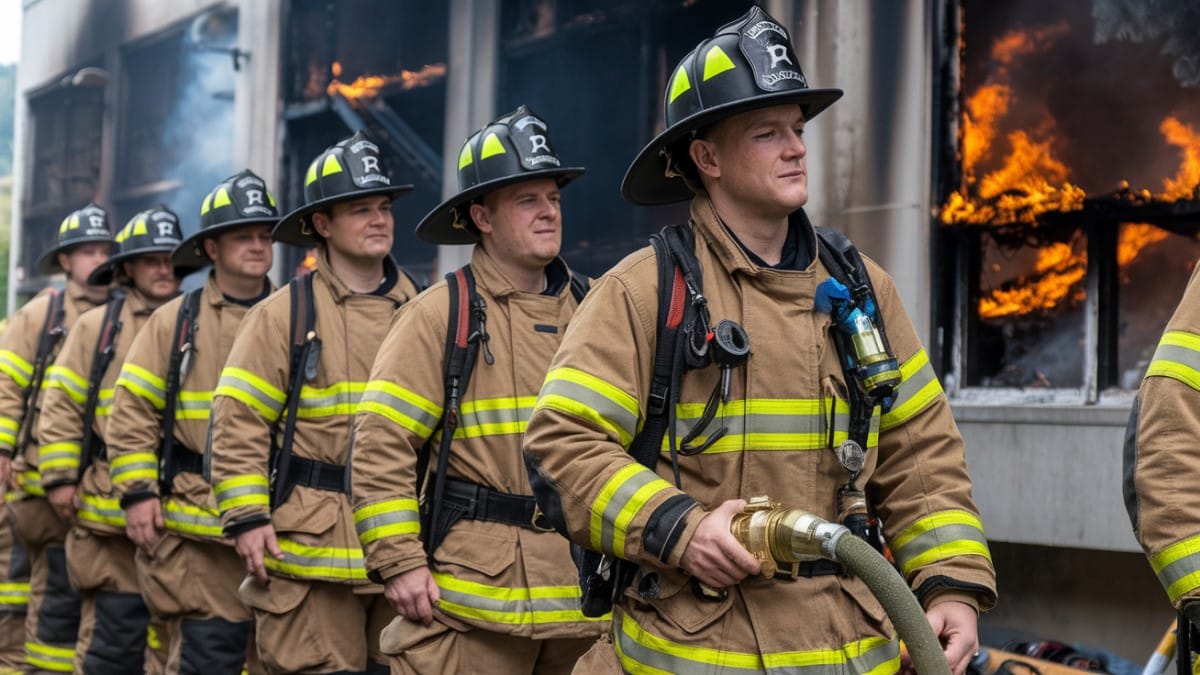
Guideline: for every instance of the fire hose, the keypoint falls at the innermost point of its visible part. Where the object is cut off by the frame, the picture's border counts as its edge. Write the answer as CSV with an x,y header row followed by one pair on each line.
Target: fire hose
x,y
774,534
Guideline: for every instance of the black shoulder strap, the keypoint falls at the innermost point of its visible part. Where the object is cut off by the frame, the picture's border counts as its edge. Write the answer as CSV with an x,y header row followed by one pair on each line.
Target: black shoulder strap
x,y
843,260
182,344
580,285
304,356
51,334
102,358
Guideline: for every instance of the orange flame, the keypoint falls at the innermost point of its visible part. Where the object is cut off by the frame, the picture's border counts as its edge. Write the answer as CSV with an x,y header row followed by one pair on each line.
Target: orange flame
x,y
1058,270
1187,179
368,86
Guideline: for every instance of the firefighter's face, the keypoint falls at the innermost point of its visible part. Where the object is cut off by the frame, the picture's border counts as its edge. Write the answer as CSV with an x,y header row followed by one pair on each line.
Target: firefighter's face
x,y
82,260
522,223
243,252
153,276
360,229
756,161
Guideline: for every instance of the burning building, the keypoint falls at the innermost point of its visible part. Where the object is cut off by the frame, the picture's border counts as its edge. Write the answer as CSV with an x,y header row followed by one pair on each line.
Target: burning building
x,y
1027,171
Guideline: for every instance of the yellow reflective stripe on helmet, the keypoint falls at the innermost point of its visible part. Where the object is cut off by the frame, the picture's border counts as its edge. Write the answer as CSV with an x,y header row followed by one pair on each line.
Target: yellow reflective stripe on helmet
x,y
103,510
318,562
46,657
191,519
939,536
222,198
134,466
15,367
1178,567
311,175
62,455
1177,357
619,501
61,377
507,606
340,398
388,518
491,147
206,204
139,228
591,399
716,61
640,651
401,406
679,84
143,383
465,157
251,489
8,433
494,416
254,391
193,405
330,166
919,387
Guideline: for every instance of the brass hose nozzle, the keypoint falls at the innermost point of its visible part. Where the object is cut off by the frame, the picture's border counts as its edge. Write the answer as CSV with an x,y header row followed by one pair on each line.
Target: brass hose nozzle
x,y
776,535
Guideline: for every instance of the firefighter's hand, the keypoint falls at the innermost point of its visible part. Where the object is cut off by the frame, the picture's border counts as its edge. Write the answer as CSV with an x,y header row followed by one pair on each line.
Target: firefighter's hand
x,y
957,626
250,546
413,594
714,555
62,498
144,524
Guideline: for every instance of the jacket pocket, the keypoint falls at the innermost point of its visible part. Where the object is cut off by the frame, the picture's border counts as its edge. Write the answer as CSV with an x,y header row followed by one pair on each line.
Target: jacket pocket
x,y
307,511
676,603
473,547
280,596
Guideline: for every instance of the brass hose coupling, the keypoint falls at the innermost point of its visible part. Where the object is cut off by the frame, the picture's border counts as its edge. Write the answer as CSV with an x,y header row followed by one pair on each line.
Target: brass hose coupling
x,y
775,535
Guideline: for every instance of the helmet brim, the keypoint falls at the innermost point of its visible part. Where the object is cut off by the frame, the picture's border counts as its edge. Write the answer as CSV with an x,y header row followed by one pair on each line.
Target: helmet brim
x,y
191,250
47,263
295,229
646,182
438,227
103,275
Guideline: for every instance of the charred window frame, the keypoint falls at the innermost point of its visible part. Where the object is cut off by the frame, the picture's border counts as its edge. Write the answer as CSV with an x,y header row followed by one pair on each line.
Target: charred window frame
x,y
66,129
1132,249
379,66
596,71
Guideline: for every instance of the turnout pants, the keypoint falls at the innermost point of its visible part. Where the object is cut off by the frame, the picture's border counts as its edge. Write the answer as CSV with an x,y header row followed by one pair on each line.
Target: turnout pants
x,y
116,634
52,619
438,648
194,583
318,626
14,596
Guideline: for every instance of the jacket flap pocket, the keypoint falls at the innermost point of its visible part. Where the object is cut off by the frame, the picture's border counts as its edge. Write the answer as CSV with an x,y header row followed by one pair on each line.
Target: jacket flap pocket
x,y
677,604
477,546
280,596
307,511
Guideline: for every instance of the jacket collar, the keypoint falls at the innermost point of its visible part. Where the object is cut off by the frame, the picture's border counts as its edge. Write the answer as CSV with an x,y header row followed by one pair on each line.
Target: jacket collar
x,y
77,293
488,274
213,295
341,291
726,249
136,302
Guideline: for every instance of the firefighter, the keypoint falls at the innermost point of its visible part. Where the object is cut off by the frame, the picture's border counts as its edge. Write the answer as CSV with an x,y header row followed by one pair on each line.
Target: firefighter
x,y
508,206
186,569
756,415
115,632
27,348
319,613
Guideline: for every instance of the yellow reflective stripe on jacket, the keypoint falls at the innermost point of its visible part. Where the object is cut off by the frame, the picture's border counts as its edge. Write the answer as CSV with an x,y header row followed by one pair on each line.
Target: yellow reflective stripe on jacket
x,y
245,386
388,518
318,562
340,398
61,377
591,399
13,594
30,482
8,433
16,367
402,407
135,466
190,519
494,416
143,383
64,455
619,501
103,510
772,424
532,606
841,424
918,388
939,536
640,651
193,405
104,403
1177,357
1178,567
54,659
250,489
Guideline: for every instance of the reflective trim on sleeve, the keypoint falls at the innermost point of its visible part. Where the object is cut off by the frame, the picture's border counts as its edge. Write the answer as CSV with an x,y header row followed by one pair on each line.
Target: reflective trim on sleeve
x,y
193,405
104,402
495,416
640,651
61,377
13,594
250,489
619,502
53,659
389,518
8,433
143,383
937,537
402,407
1178,567
62,456
506,606
260,395
918,388
16,367
591,399
1177,357
134,466
103,510
189,519
318,562
30,482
